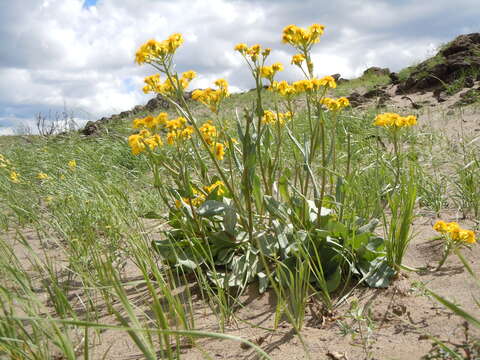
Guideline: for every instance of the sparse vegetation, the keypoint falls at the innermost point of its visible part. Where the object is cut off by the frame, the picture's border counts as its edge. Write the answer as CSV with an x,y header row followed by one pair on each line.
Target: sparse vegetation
x,y
167,234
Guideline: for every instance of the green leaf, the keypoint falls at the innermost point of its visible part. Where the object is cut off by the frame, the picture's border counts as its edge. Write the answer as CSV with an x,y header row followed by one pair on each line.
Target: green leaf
x,y
230,220
275,208
334,280
151,215
377,273
211,208
369,227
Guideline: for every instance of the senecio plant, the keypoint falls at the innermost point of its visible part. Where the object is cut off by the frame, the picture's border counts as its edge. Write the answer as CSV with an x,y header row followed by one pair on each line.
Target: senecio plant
x,y
455,238
258,196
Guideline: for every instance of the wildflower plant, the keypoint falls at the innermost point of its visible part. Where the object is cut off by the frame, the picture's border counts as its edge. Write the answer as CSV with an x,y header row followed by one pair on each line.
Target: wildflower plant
x,y
240,211
455,238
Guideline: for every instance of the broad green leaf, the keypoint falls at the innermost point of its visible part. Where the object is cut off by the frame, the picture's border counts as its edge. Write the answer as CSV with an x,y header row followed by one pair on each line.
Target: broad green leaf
x,y
211,208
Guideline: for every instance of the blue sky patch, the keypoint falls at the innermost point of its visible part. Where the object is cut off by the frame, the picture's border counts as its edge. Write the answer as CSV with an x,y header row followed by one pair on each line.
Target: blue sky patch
x,y
88,3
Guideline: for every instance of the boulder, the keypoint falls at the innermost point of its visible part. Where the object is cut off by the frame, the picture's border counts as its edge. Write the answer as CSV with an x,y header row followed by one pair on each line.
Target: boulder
x,y
90,128
378,71
394,78
336,76
356,99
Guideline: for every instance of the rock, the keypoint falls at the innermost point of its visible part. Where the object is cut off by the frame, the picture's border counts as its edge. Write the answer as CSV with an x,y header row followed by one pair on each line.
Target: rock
x,y
137,109
439,94
394,78
90,128
125,114
151,104
462,43
157,103
460,56
375,70
336,76
355,99
469,82
380,95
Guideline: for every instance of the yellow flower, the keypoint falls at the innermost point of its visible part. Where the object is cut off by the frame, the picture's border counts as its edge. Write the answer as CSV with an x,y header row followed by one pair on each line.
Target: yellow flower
x,y
394,120
212,98
271,118
241,48
283,88
187,132
297,59
135,141
72,164
467,236
302,38
335,105
189,75
171,136
153,50
219,151
14,177
328,81
217,185
42,176
440,226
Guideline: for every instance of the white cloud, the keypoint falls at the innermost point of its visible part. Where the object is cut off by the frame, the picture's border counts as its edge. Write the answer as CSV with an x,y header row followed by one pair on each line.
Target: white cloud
x,y
59,52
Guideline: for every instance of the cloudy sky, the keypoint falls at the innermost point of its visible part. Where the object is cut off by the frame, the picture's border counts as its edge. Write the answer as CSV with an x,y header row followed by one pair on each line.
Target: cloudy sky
x,y
79,54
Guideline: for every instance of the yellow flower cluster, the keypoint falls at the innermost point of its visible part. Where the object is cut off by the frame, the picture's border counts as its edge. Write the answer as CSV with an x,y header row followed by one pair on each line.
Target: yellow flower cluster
x,y
154,50
335,105
209,132
455,231
298,59
150,122
302,38
199,197
300,86
283,88
212,98
42,176
170,85
269,72
394,120
272,118
253,51
139,142
72,164
219,185
219,151
14,177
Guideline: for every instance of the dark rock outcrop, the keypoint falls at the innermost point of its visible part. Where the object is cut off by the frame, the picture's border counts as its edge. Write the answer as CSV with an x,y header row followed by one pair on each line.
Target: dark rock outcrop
x,y
394,78
455,61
